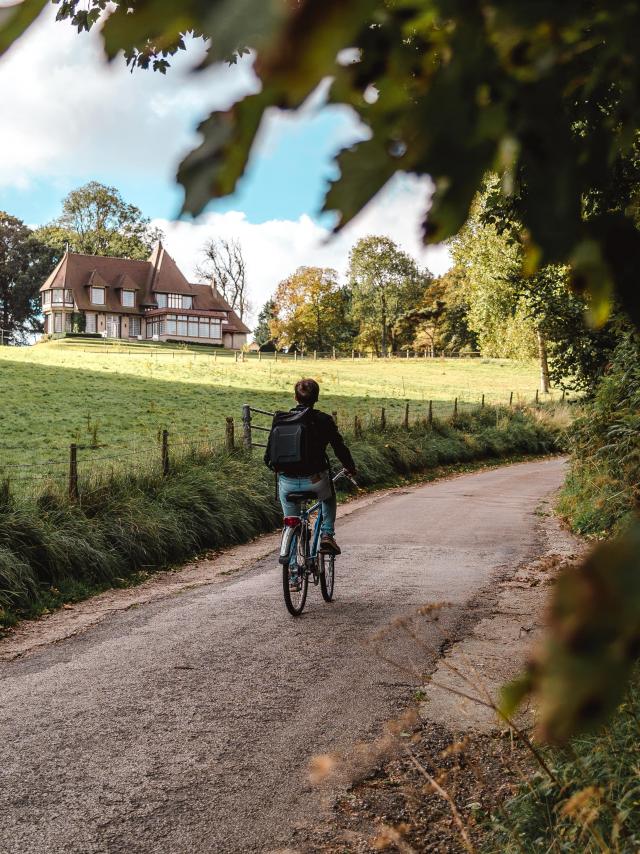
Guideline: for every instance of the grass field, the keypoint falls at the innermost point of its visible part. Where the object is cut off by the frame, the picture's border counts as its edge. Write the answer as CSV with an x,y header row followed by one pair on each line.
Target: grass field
x,y
112,399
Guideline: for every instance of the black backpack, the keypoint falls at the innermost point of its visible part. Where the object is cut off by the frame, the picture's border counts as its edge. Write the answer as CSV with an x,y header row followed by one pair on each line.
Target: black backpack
x,y
288,441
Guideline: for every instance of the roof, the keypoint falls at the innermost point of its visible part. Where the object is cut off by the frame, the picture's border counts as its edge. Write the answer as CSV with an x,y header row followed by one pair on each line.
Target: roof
x,y
159,274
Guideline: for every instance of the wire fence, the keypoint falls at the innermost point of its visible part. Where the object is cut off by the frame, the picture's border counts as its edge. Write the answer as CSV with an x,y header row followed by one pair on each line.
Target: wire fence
x,y
204,351
80,470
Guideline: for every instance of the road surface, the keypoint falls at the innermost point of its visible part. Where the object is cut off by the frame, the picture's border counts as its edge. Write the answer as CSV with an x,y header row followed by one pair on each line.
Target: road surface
x,y
187,724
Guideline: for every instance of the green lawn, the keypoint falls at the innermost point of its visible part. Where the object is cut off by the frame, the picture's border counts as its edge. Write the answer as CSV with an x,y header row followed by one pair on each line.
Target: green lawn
x,y
78,391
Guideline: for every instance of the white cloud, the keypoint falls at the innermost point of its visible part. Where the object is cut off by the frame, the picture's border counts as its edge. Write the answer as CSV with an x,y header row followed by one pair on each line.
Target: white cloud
x,y
274,249
65,112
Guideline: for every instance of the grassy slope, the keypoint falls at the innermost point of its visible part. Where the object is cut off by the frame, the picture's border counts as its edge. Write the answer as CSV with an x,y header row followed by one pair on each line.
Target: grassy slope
x,y
56,393
53,550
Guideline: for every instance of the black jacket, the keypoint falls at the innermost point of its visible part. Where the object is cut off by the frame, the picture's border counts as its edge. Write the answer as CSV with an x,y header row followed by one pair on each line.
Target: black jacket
x,y
325,432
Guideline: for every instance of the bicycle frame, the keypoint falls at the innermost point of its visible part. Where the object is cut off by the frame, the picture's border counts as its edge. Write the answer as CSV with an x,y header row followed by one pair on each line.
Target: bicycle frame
x,y
305,514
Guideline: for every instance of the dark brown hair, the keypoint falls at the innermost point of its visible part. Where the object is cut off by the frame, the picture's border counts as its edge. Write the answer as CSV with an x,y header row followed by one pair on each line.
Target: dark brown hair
x,y
307,392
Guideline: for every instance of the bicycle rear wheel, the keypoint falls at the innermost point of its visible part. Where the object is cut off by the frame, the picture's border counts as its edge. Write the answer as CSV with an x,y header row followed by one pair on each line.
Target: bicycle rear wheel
x,y
327,576
295,596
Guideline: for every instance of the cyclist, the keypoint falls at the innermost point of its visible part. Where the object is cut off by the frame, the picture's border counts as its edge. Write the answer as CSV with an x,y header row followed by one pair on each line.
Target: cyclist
x,y
311,473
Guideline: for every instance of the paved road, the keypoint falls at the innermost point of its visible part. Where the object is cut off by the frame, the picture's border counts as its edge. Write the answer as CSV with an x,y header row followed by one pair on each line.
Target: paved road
x,y
186,725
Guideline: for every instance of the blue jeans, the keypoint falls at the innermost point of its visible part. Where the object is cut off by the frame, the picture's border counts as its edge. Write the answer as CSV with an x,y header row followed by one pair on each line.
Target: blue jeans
x,y
322,489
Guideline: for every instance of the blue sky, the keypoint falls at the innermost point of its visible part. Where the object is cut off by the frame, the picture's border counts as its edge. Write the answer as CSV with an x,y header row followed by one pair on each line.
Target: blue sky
x,y
67,118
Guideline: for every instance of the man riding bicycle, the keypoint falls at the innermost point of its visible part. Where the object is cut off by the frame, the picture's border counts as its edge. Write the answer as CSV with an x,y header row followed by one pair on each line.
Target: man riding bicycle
x,y
304,466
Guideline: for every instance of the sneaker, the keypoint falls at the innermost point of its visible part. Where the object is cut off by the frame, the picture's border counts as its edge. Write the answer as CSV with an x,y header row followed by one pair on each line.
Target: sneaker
x,y
329,545
295,581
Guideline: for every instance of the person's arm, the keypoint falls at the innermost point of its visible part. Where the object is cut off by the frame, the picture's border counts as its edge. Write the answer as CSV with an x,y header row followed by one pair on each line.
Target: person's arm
x,y
339,448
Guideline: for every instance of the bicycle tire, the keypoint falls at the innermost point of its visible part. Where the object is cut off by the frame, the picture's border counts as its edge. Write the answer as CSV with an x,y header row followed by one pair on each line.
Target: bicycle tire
x,y
295,599
327,576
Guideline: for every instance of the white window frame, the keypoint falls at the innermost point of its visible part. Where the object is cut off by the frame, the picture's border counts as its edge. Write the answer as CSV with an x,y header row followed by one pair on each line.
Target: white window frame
x,y
135,326
59,300
161,299
46,297
90,319
68,296
187,301
57,322
218,326
128,294
94,291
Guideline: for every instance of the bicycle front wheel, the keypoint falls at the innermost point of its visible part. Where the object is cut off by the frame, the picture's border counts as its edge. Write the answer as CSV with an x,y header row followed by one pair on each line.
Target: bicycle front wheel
x,y
295,580
327,576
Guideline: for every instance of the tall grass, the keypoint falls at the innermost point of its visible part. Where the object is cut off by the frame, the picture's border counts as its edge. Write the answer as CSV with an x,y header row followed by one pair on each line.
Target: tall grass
x,y
54,550
594,804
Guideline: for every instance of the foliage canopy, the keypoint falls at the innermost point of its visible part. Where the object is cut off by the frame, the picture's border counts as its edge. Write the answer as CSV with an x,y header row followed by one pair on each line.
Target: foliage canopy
x,y
544,93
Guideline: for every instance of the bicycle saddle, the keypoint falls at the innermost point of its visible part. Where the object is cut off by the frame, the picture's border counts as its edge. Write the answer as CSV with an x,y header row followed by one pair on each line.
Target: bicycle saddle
x,y
300,496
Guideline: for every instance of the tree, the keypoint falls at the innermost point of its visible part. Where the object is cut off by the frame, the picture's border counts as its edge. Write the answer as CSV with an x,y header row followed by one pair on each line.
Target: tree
x,y
95,220
262,333
548,92
225,266
24,264
310,310
385,283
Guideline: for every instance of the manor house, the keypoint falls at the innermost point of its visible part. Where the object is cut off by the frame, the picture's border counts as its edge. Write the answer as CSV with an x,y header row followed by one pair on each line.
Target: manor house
x,y
144,300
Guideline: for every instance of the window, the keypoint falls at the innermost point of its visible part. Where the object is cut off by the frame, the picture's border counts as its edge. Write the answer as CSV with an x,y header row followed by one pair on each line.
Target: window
x,y
216,329
193,327
68,296
204,327
68,323
46,298
129,298
97,296
134,327
46,324
161,299
182,325
56,297
175,301
187,302
171,324
57,322
90,322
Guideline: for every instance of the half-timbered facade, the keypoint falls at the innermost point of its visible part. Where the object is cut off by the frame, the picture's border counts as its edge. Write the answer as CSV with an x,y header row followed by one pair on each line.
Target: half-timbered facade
x,y
137,300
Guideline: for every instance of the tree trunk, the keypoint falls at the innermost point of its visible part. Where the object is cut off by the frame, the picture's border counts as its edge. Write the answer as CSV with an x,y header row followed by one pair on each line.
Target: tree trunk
x,y
544,362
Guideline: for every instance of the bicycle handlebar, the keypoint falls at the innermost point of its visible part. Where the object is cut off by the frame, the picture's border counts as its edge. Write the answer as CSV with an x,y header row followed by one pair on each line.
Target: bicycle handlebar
x,y
345,473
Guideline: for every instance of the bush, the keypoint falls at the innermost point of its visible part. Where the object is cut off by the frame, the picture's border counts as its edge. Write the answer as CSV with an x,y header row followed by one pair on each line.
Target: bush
x,y
603,487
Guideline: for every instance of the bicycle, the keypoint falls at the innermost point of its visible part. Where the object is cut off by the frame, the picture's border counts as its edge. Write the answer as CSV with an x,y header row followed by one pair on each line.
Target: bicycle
x,y
299,555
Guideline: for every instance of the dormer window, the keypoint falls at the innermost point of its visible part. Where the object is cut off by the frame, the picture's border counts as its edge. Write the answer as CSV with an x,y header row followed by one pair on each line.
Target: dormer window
x,y
57,296
174,301
97,296
68,296
128,298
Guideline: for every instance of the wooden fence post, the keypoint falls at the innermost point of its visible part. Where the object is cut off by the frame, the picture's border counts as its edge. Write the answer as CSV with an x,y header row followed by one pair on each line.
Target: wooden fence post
x,y
229,439
165,453
511,399
455,407
246,426
353,355
357,427
537,397
383,419
334,352
335,416
315,355
430,415
73,472
482,404
407,352
563,394
406,414
259,355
